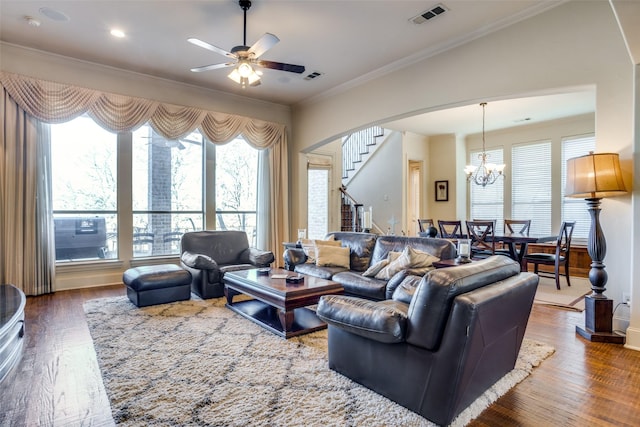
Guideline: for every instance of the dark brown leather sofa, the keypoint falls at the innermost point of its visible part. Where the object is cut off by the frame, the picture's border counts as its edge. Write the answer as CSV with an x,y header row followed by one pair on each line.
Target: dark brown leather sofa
x,y
208,254
366,250
440,342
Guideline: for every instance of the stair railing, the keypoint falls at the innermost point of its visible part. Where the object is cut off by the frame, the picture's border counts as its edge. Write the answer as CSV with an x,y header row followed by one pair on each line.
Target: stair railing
x,y
352,214
357,145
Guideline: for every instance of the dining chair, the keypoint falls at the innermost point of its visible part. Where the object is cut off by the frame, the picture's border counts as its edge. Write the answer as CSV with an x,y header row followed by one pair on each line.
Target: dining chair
x,y
521,226
559,258
424,224
450,229
481,235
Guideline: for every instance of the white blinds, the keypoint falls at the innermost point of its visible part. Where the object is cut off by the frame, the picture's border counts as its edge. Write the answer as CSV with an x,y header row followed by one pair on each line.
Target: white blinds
x,y
488,202
576,209
531,185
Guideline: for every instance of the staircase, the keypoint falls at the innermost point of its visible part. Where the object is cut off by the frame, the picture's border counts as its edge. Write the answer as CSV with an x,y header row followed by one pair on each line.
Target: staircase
x,y
356,147
350,212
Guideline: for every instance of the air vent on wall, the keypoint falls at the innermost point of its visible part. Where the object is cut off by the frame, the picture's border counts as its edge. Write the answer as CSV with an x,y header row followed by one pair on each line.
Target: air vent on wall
x,y
314,75
425,16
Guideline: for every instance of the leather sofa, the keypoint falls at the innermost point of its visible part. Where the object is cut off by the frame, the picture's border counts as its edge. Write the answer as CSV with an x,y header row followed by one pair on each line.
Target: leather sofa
x,y
440,342
208,254
366,250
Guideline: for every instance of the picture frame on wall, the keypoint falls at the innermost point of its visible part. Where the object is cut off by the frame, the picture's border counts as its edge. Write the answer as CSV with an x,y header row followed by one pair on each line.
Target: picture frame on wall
x,y
442,191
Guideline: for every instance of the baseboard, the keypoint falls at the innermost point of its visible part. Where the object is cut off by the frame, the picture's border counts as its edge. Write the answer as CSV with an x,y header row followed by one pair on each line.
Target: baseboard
x,y
633,339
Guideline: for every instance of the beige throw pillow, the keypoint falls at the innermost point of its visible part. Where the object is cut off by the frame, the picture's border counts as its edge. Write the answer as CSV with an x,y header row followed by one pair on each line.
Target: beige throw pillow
x,y
421,259
399,264
375,268
332,256
416,261
309,247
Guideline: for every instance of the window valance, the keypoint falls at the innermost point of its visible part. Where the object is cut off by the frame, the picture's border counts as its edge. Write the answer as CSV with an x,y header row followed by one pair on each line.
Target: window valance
x,y
56,103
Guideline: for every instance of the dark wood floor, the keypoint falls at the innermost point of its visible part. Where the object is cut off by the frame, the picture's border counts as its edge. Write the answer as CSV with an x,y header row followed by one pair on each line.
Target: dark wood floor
x,y
58,382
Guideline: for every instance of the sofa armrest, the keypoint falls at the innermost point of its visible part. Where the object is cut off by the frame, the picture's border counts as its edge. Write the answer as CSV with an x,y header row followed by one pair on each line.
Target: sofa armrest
x,y
383,321
198,261
294,256
260,258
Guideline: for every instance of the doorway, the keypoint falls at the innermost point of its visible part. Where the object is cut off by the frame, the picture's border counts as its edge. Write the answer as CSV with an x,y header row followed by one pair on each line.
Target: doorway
x,y
414,196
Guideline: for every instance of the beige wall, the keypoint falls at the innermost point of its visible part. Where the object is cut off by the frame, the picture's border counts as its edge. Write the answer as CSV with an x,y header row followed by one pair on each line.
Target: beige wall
x,y
577,44
442,167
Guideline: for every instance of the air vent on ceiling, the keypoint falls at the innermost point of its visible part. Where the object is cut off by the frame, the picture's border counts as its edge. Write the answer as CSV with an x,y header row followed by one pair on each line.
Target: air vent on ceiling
x,y
425,16
314,75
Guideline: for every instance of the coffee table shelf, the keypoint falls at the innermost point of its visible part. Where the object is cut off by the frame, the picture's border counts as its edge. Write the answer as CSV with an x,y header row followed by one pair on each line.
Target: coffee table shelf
x,y
304,321
278,306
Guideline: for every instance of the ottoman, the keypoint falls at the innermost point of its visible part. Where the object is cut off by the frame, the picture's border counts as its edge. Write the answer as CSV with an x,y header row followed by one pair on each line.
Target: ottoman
x,y
157,284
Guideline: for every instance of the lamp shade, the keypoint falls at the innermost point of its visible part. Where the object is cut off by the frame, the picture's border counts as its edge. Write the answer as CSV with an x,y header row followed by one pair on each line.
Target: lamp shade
x,y
594,176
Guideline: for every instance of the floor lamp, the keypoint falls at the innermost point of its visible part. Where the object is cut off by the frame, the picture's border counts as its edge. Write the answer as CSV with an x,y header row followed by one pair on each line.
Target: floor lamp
x,y
593,177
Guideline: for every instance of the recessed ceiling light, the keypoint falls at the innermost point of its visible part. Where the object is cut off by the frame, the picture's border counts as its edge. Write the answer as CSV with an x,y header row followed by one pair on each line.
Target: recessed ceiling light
x,y
117,33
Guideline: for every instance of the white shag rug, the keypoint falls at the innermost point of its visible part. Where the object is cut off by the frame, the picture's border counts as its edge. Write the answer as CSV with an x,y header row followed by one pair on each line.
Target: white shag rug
x,y
197,363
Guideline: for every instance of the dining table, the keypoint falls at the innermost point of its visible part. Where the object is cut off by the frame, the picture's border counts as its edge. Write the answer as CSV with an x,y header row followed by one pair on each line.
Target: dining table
x,y
517,244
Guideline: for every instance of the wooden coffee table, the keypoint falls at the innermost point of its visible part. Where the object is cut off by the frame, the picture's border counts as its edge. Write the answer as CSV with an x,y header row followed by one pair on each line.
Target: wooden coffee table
x,y
278,306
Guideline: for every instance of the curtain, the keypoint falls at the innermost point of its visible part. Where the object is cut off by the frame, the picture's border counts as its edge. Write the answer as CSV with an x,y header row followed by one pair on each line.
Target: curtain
x,y
27,254
52,102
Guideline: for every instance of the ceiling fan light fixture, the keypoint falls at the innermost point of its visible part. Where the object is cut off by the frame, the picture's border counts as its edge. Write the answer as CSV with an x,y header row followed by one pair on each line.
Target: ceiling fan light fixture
x,y
245,75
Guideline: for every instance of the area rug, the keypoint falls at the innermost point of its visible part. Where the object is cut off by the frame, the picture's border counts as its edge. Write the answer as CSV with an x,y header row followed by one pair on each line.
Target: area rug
x,y
568,297
197,363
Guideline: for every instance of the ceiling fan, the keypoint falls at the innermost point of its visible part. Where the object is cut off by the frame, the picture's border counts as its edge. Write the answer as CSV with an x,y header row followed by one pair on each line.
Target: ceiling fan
x,y
246,57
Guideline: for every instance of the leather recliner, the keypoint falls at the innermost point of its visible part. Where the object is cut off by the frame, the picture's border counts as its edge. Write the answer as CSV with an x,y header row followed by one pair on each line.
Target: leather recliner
x,y
440,342
208,254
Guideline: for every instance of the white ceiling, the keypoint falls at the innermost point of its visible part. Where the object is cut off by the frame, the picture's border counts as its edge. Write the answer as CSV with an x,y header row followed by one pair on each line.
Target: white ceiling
x,y
348,41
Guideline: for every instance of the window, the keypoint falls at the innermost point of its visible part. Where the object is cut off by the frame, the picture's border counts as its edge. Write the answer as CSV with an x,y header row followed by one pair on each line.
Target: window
x,y
576,209
236,187
531,185
317,203
488,202
166,190
84,186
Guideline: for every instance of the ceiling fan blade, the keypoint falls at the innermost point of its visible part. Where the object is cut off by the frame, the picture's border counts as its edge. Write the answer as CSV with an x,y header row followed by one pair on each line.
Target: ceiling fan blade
x,y
264,43
282,66
213,67
211,47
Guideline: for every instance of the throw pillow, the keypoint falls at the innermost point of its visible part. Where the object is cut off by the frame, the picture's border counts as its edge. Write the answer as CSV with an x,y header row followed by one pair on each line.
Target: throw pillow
x,y
309,247
401,263
421,259
332,256
375,268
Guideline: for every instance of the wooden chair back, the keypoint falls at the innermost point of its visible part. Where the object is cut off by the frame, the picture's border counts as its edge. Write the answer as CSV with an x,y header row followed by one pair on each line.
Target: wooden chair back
x,y
481,235
563,244
520,226
424,224
450,229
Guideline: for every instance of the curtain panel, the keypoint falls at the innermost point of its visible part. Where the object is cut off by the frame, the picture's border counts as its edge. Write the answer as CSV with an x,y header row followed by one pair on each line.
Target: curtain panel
x,y
52,102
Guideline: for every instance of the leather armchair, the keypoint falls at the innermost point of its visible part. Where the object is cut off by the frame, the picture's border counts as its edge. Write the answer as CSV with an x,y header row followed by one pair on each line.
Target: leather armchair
x,y
207,255
440,342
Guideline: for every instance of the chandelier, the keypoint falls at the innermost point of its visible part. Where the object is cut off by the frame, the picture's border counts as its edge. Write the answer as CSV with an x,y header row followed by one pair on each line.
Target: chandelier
x,y
486,173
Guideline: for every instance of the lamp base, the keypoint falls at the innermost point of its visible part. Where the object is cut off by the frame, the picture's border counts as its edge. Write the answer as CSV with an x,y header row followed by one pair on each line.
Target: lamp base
x,y
598,321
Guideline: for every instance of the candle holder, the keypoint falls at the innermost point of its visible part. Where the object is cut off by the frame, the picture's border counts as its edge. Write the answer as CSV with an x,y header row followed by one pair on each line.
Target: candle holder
x,y
464,251
302,234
